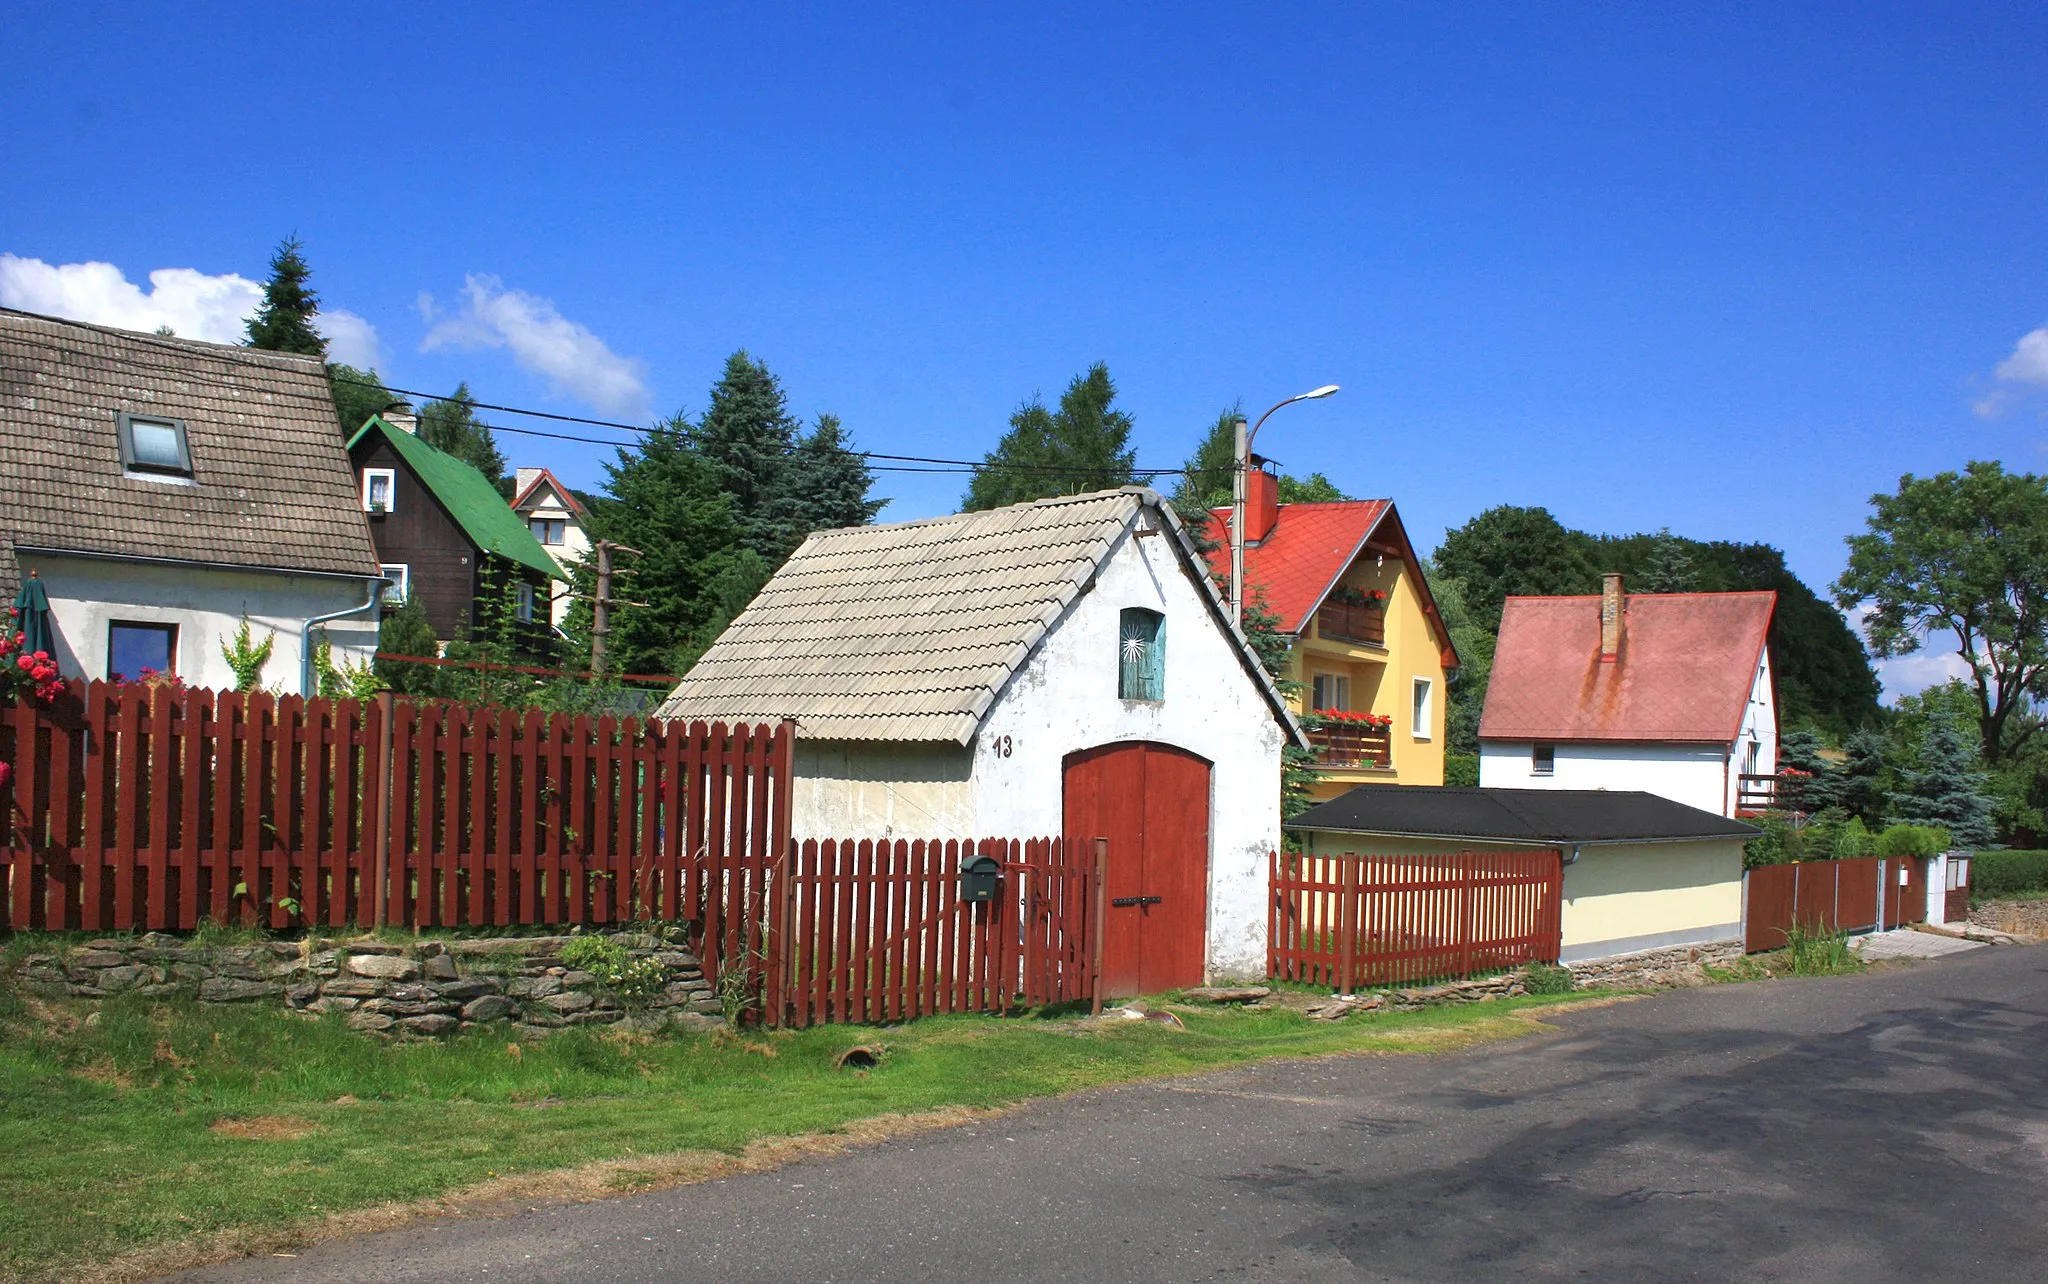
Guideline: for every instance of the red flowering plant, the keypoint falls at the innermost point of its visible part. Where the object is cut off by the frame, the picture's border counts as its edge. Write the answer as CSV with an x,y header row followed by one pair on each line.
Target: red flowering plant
x,y
26,673
1346,718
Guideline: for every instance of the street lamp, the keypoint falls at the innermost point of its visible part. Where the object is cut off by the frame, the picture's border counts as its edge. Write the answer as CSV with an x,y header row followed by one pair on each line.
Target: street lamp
x,y
1241,463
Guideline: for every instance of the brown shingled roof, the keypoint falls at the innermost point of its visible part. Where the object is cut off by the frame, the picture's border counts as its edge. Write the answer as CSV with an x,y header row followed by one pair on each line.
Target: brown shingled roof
x,y
1688,663
274,488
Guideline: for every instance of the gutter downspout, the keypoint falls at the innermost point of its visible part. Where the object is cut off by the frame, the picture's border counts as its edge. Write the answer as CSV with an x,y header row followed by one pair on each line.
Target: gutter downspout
x,y
306,687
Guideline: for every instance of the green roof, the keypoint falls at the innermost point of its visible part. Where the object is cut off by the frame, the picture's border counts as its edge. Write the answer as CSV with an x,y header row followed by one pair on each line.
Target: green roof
x,y
469,497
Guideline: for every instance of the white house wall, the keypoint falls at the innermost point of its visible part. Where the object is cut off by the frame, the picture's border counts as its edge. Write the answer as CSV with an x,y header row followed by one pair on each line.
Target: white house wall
x,y
1760,727
1008,783
1696,775
207,605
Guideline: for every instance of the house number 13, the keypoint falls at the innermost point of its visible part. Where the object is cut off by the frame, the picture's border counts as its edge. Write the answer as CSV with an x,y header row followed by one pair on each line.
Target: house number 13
x,y
999,746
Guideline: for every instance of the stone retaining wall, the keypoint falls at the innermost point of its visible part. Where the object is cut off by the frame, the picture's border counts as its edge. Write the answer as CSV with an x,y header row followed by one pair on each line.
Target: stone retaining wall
x,y
1678,965
428,987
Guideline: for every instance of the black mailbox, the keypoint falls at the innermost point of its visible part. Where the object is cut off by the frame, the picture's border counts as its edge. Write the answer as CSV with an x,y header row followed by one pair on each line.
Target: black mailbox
x,y
979,877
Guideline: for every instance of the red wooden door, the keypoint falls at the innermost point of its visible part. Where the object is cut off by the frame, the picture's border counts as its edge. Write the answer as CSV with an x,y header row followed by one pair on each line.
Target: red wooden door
x,y
1152,803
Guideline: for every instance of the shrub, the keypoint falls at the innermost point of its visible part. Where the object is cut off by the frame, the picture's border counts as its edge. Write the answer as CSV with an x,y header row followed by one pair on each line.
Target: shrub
x,y
634,980
1912,840
1461,769
2007,873
1548,978
1779,844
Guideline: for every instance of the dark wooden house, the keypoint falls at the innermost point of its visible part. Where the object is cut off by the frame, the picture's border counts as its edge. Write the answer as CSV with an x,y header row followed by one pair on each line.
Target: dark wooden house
x,y
444,533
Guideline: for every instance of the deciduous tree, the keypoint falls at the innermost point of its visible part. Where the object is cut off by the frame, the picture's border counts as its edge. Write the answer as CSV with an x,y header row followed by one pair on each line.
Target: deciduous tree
x,y
1508,551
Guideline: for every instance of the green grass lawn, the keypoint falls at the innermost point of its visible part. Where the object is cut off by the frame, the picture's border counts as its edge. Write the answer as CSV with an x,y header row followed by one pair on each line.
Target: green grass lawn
x,y
169,1132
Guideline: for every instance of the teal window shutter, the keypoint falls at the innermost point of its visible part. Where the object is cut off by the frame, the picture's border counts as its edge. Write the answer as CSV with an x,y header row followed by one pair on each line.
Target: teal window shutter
x,y
1141,655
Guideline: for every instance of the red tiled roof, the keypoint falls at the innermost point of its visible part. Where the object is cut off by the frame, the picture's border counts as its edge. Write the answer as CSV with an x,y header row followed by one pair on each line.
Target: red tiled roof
x,y
1309,548
1688,662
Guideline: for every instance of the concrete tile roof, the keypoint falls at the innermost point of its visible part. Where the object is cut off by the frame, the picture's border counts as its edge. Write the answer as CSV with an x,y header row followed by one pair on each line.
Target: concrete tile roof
x,y
1516,815
1687,664
908,631
274,488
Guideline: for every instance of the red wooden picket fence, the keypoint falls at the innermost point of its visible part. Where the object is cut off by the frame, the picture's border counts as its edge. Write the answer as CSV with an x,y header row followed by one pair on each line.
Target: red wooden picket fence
x,y
1856,895
878,931
1353,920
139,807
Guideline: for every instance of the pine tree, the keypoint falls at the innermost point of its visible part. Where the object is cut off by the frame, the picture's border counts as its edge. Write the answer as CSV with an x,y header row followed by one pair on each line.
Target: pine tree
x,y
451,424
285,321
1083,446
747,437
664,499
826,485
1670,568
1204,482
1821,786
1946,790
1864,772
358,394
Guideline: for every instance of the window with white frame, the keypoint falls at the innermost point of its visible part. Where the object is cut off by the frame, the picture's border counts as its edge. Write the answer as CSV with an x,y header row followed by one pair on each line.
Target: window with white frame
x,y
1330,691
525,611
153,445
1424,712
1751,753
399,586
380,490
551,531
1542,760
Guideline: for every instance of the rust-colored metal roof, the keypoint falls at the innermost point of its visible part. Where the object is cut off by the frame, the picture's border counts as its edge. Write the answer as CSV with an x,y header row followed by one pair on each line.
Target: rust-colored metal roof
x,y
1687,665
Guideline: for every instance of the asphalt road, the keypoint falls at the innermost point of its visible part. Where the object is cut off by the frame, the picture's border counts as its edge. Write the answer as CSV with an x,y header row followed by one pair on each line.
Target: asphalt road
x,y
1881,1127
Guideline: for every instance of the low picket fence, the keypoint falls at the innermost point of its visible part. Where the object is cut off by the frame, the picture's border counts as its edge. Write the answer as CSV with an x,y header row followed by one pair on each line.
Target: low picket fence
x,y
1357,920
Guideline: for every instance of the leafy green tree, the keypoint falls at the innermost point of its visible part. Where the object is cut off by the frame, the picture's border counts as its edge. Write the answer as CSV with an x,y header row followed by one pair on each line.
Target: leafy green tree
x,y
826,484
450,424
1083,446
664,498
284,322
1475,645
358,394
1312,489
1965,554
1510,551
1669,567
407,632
1947,788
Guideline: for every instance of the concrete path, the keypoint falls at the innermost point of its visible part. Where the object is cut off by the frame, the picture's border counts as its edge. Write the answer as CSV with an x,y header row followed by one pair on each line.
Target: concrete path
x,y
1890,1126
1905,943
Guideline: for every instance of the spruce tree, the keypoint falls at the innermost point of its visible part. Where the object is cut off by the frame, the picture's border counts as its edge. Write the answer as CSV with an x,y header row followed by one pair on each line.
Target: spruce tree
x,y
1204,482
1864,772
1083,446
826,484
1669,568
1946,789
1821,787
451,424
747,437
285,321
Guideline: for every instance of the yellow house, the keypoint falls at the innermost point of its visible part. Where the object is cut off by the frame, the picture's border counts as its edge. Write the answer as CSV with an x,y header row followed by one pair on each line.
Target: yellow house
x,y
1369,648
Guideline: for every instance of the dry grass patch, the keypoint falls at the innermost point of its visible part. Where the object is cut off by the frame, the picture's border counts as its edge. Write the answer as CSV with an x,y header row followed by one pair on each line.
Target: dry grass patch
x,y
264,1128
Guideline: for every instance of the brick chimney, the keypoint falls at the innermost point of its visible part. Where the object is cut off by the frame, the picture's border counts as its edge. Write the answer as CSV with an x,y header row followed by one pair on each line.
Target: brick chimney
x,y
1613,604
1261,504
403,419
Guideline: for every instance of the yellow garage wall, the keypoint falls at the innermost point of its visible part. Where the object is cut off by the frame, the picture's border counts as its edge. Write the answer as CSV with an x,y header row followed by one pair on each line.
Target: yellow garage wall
x,y
1617,900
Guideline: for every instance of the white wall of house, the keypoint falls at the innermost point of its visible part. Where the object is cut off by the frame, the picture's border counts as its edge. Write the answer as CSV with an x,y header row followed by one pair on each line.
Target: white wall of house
x,y
1696,775
575,545
1619,899
1759,729
1008,783
87,595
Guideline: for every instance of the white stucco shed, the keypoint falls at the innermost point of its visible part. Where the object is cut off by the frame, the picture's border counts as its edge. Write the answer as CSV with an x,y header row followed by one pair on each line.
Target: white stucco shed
x,y
949,679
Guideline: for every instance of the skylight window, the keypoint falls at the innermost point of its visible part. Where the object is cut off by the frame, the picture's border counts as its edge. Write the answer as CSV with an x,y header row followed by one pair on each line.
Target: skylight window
x,y
154,445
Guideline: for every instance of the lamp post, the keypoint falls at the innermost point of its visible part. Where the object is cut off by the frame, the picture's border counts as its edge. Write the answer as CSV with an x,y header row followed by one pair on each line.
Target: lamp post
x,y
1240,465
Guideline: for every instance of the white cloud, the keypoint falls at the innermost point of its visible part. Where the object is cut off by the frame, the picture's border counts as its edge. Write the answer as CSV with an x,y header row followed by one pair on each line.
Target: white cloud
x,y
191,303
1904,675
543,341
2025,369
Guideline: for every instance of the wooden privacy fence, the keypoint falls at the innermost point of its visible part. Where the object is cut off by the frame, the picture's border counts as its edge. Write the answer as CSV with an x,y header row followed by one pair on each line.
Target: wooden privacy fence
x,y
1362,920
879,931
139,807
1830,896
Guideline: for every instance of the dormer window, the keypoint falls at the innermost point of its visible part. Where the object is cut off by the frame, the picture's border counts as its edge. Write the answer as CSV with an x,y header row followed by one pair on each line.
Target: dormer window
x,y
380,487
1141,655
154,446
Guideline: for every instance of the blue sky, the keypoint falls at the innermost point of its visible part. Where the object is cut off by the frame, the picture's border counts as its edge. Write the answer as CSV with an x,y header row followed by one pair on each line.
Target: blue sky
x,y
1724,270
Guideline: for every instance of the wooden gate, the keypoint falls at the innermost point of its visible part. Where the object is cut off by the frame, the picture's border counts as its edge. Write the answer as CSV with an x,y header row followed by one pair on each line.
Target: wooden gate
x,y
1151,802
1830,896
878,931
1360,920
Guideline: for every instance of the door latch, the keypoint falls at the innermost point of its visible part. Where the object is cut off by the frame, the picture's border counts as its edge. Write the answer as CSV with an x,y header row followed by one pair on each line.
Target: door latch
x,y
1124,901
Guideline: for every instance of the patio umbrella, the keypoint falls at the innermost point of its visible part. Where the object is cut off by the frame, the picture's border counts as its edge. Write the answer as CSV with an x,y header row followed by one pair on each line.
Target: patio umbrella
x,y
32,615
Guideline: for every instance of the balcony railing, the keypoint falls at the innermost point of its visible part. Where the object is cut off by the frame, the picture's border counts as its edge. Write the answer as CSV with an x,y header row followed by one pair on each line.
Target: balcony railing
x,y
1785,791
1349,744
1350,622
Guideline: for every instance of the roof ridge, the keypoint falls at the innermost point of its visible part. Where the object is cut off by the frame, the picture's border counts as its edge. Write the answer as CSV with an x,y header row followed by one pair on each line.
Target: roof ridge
x,y
176,342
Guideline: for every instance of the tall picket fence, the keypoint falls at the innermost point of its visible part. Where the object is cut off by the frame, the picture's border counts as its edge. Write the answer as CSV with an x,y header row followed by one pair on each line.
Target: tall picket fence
x,y
1354,920
132,807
